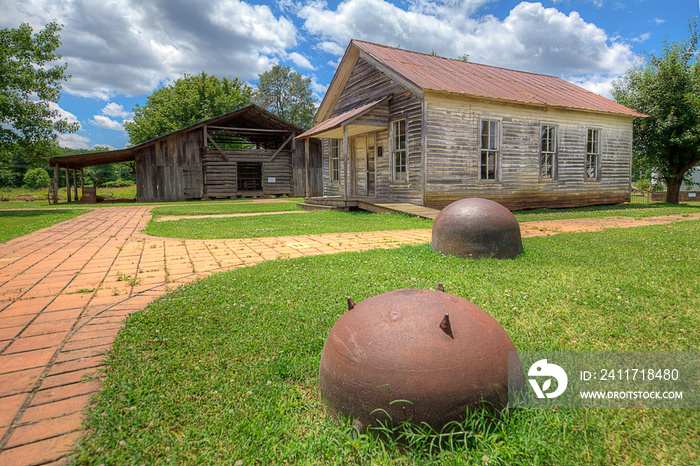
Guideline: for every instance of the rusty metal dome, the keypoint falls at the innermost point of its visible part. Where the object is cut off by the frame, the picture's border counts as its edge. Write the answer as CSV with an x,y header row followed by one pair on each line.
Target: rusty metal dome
x,y
477,228
416,356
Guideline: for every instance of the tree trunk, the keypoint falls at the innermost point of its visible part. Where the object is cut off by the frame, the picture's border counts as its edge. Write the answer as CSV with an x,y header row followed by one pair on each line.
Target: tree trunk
x,y
673,187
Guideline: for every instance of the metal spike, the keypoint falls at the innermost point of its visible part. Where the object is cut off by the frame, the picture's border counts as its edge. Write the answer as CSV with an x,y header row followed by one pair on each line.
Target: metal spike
x,y
440,287
351,304
446,327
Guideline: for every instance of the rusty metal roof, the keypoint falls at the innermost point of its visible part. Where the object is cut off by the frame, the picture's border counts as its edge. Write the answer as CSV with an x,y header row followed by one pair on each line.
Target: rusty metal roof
x,y
441,74
341,120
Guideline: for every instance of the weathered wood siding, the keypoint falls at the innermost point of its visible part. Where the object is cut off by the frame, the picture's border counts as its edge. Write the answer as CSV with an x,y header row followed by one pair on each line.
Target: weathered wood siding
x,y
367,84
222,176
170,169
315,169
452,155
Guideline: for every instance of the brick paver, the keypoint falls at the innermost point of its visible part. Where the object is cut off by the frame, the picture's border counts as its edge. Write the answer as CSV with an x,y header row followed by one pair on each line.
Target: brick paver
x,y
66,290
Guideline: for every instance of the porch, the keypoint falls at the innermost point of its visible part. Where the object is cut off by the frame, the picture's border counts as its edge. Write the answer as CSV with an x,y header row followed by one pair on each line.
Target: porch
x,y
371,204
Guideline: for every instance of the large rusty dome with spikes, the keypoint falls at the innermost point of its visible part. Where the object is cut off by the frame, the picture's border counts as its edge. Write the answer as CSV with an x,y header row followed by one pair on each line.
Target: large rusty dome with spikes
x,y
415,356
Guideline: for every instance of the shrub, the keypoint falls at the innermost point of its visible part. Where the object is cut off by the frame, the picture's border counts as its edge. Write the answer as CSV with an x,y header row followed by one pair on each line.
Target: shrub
x,y
118,184
37,178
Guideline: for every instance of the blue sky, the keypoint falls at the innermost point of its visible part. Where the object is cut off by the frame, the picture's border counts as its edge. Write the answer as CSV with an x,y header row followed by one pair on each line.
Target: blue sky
x,y
120,51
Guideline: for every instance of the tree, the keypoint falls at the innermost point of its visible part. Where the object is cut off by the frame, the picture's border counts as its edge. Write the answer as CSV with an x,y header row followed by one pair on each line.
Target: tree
x,y
187,101
287,94
30,81
667,88
36,178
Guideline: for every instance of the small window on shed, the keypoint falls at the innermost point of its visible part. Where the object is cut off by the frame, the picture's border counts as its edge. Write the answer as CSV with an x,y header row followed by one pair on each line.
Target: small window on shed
x,y
335,160
548,153
593,155
488,166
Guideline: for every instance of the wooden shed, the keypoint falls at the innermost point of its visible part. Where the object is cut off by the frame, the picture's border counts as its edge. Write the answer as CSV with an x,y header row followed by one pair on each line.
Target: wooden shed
x,y
428,130
245,153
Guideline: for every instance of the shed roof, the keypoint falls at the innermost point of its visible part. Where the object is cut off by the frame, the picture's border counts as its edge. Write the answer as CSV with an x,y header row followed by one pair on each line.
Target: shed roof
x,y
423,72
250,117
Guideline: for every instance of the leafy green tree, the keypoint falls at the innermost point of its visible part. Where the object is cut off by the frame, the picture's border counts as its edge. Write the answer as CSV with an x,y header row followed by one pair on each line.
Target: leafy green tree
x,y
187,101
36,178
667,88
30,81
287,94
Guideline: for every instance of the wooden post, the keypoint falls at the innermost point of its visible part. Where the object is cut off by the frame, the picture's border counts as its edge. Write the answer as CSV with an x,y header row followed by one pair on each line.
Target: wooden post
x,y
68,184
82,182
55,184
75,183
345,155
307,145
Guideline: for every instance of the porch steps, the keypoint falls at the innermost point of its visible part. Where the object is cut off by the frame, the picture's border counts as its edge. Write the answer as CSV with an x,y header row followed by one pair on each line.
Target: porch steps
x,y
379,206
399,208
312,207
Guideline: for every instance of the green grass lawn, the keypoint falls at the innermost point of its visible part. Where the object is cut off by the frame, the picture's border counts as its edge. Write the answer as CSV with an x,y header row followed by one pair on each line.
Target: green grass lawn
x,y
15,223
283,225
226,369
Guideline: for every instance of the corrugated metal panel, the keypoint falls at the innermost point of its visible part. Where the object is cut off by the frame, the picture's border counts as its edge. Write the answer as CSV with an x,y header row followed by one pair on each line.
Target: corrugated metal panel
x,y
340,120
443,74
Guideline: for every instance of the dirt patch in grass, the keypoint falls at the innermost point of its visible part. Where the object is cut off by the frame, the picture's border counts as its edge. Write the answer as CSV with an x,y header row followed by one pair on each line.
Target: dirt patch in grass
x,y
574,225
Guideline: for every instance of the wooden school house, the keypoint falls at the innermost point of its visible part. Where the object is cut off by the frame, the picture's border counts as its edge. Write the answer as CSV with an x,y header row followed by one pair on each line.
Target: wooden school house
x,y
427,130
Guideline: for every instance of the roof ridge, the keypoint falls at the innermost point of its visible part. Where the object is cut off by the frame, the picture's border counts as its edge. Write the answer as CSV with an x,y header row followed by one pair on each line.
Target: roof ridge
x,y
457,60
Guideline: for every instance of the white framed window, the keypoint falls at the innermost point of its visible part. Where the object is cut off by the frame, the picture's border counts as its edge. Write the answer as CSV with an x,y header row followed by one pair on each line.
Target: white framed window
x,y
335,160
548,153
398,150
490,149
593,154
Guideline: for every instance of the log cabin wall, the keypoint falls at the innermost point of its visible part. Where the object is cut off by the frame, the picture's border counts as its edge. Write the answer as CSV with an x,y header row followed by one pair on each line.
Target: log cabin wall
x,y
453,147
170,169
221,173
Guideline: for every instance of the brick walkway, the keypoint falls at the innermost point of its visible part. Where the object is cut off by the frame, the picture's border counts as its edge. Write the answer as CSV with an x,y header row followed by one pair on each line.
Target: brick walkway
x,y
65,291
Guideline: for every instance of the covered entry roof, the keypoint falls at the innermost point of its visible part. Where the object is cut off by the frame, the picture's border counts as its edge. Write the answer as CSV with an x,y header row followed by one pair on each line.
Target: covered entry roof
x,y
333,127
251,117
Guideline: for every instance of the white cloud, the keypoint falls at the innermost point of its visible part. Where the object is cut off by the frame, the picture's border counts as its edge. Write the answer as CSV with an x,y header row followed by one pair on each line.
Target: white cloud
x,y
300,60
447,9
115,110
73,141
642,38
62,114
330,47
107,123
124,47
318,89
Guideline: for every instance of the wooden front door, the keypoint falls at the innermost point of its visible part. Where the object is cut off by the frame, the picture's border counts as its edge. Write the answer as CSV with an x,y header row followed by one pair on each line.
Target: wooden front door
x,y
359,166
363,166
371,174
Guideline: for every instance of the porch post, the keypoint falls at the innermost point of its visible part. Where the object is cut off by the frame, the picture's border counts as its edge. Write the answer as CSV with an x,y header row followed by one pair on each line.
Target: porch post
x,y
55,184
68,184
346,156
307,145
75,183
